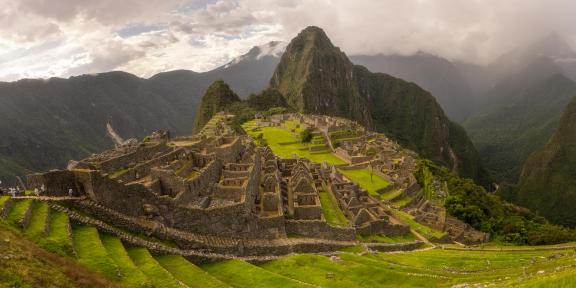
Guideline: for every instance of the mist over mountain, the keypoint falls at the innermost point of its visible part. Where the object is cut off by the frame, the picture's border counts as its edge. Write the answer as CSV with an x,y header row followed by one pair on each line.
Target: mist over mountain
x,y
519,112
436,75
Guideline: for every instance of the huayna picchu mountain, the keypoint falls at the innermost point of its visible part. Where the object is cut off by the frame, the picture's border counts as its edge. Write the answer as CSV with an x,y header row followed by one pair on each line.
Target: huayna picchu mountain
x,y
548,181
318,78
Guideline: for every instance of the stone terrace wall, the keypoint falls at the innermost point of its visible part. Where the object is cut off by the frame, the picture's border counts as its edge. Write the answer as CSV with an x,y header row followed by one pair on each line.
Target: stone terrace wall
x,y
144,168
319,229
141,154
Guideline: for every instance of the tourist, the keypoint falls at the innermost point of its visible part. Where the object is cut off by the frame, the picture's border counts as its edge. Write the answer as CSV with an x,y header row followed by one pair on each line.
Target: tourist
x,y
36,192
70,192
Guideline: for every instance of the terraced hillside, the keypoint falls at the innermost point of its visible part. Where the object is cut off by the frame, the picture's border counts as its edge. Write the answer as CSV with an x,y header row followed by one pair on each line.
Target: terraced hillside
x,y
125,266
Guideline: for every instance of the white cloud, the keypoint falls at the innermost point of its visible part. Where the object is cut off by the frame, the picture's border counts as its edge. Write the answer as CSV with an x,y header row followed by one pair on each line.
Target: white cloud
x,y
41,38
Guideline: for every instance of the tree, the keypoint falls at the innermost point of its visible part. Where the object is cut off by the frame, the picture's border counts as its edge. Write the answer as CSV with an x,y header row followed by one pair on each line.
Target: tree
x,y
306,135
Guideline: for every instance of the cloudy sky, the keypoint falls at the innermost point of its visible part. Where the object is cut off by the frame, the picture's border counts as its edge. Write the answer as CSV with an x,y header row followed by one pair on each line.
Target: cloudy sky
x,y
46,38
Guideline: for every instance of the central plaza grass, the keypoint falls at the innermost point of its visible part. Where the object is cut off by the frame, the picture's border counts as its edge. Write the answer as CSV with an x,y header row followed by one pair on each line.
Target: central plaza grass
x,y
286,144
362,177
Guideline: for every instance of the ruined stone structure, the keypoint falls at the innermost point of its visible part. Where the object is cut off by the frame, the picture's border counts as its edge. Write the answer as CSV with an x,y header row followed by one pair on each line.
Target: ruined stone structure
x,y
217,192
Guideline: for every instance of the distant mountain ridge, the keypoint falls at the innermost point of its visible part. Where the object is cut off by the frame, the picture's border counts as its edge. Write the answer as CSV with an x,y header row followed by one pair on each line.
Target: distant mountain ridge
x,y
46,122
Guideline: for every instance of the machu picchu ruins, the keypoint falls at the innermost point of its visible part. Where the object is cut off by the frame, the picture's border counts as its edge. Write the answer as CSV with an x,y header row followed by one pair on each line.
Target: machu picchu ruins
x,y
223,194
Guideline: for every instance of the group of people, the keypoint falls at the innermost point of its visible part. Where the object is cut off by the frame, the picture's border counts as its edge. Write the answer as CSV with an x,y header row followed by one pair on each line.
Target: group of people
x,y
37,192
14,191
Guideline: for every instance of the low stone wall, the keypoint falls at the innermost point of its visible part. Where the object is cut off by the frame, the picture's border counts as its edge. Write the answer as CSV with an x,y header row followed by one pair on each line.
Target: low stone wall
x,y
319,229
383,227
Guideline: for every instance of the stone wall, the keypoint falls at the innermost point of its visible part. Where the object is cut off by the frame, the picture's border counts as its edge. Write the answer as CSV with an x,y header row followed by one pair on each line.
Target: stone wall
x,y
143,169
141,154
56,183
199,185
319,229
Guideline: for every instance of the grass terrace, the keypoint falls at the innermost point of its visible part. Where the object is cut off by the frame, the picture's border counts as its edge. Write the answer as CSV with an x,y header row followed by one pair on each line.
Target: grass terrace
x,y
331,210
91,252
131,275
188,273
362,177
286,144
420,228
244,275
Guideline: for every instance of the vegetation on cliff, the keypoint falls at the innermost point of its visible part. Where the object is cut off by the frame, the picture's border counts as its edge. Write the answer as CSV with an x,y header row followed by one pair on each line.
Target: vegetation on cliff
x,y
506,136
548,181
487,212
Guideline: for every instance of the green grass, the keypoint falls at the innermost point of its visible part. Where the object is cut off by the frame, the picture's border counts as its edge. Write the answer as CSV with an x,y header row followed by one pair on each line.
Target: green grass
x,y
464,260
3,200
244,275
565,279
390,194
362,177
345,272
420,228
332,212
118,173
276,135
35,229
387,239
58,240
402,201
130,274
91,252
18,211
188,273
152,269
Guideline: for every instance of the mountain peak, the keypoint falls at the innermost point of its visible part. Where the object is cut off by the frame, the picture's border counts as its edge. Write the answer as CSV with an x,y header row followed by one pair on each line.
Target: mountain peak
x,y
316,77
217,97
273,49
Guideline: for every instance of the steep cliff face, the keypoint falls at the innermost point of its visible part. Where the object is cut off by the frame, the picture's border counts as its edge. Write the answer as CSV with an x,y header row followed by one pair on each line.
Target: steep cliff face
x,y
218,97
316,77
548,181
